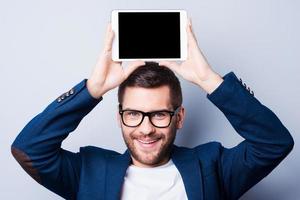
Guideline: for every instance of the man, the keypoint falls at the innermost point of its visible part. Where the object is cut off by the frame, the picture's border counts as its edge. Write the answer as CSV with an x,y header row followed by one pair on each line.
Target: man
x,y
150,112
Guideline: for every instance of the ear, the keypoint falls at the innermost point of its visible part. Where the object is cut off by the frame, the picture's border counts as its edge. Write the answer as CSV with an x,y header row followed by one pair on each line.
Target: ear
x,y
180,117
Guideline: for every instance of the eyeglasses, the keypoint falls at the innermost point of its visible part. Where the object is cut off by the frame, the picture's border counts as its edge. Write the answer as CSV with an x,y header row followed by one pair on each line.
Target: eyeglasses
x,y
159,119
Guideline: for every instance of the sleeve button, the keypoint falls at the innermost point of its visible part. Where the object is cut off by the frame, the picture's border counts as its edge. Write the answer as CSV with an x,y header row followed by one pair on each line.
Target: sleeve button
x,y
71,91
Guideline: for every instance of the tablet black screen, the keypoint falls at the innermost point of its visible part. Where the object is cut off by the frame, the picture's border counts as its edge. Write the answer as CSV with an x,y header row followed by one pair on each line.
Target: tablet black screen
x,y
149,35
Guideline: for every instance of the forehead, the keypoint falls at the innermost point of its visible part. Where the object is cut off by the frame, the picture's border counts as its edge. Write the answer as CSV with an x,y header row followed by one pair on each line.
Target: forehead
x,y
147,99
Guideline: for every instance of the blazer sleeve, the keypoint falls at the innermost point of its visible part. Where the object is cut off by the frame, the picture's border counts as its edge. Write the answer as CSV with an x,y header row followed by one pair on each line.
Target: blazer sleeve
x,y
38,150
267,142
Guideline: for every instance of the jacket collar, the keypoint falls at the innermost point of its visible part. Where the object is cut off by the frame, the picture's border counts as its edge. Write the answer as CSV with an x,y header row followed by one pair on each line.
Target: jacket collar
x,y
188,166
116,171
184,159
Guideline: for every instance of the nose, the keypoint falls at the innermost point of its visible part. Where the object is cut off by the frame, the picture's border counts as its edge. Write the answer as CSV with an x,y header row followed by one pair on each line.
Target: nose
x,y
146,127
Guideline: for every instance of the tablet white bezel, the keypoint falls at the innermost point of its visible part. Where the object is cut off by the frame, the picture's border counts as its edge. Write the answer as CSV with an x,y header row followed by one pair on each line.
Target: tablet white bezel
x,y
183,35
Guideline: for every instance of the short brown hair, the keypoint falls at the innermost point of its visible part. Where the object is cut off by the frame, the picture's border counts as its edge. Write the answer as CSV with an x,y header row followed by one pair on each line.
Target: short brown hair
x,y
152,75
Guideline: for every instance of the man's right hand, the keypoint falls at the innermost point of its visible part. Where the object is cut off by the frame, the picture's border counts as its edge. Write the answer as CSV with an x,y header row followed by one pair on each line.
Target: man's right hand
x,y
107,73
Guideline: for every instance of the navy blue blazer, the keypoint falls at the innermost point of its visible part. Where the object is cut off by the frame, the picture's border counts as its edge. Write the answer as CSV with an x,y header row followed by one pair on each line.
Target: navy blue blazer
x,y
209,171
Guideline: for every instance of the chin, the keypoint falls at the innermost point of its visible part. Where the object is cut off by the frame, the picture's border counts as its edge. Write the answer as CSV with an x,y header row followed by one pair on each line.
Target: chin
x,y
151,158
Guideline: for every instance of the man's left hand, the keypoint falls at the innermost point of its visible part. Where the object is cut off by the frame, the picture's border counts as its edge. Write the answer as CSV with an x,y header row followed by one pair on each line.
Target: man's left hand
x,y
196,68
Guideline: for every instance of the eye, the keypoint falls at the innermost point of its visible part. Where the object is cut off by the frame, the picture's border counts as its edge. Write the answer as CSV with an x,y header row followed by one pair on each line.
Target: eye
x,y
160,115
132,113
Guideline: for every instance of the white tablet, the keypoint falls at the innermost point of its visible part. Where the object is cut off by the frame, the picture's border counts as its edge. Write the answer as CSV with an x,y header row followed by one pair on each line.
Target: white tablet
x,y
149,35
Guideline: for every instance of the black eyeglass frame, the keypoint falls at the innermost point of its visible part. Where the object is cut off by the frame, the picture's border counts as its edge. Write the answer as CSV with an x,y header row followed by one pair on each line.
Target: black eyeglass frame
x,y
172,113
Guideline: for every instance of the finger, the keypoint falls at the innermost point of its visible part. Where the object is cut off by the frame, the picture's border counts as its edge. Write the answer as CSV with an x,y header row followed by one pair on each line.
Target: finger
x,y
189,22
108,38
132,66
171,65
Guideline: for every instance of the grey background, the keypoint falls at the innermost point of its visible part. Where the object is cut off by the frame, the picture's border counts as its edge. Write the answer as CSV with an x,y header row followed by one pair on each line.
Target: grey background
x,y
46,47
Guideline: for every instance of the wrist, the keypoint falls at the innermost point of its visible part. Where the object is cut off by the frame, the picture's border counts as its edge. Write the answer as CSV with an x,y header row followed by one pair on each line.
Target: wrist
x,y
94,91
211,82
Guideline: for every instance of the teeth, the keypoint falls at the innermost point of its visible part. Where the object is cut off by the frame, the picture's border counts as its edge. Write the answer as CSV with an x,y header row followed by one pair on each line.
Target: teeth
x,y
147,142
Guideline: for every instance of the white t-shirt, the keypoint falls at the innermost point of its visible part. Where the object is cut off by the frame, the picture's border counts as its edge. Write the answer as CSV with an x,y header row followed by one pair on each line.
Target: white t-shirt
x,y
162,182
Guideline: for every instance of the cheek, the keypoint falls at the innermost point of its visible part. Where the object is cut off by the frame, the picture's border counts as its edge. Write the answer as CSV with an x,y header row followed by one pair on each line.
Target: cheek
x,y
172,128
171,132
167,135
127,132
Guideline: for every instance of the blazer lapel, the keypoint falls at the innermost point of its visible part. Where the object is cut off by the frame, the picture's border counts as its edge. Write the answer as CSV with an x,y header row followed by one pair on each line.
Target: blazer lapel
x,y
116,170
184,159
188,165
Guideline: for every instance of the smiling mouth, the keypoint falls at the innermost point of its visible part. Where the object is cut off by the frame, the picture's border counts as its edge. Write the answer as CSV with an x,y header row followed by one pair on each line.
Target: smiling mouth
x,y
147,143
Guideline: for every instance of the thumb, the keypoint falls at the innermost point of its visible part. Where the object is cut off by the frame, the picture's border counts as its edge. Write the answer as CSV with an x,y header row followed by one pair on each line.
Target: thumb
x,y
109,37
192,40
